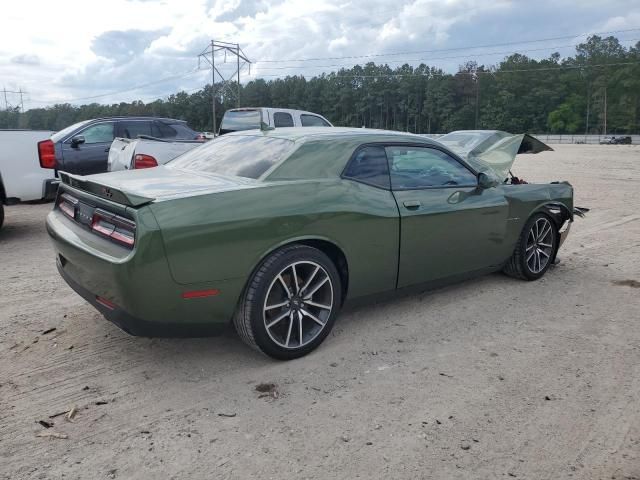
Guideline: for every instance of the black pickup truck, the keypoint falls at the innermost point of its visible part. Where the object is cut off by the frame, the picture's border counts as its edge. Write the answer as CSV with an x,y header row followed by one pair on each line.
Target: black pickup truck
x,y
83,148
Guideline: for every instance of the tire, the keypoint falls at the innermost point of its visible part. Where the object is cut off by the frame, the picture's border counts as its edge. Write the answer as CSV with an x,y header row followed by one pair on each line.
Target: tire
x,y
535,250
1,213
278,304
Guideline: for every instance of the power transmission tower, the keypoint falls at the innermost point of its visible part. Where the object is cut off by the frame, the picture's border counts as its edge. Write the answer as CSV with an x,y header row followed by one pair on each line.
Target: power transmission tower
x,y
6,101
241,60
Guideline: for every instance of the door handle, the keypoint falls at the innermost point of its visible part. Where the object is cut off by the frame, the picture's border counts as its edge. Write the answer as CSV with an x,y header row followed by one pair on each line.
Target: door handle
x,y
107,149
411,204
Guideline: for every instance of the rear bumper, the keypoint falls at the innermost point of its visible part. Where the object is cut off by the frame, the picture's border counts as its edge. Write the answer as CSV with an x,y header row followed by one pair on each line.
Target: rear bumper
x,y
138,327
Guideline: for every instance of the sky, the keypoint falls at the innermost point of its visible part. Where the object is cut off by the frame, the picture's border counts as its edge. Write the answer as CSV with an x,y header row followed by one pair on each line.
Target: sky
x,y
84,51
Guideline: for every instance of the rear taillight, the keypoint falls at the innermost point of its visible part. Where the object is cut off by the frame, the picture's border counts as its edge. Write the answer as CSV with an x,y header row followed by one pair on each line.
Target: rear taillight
x,y
116,228
67,204
47,154
140,160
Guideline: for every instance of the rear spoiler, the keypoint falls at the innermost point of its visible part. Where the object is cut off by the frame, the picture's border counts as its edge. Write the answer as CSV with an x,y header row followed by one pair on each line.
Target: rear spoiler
x,y
107,192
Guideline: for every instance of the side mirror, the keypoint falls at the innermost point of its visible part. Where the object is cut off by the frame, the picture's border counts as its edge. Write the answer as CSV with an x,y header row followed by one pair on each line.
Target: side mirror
x,y
486,180
77,140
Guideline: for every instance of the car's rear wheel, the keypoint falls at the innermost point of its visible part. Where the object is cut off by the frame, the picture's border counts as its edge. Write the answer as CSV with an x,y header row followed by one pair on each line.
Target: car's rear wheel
x,y
535,249
291,303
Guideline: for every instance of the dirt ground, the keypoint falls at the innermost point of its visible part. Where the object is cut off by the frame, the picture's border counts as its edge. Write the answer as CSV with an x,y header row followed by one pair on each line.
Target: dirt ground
x,y
492,378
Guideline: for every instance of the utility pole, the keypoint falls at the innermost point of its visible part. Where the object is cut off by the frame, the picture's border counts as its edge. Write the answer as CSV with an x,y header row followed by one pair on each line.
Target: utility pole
x,y
477,97
605,109
6,105
208,55
213,86
586,128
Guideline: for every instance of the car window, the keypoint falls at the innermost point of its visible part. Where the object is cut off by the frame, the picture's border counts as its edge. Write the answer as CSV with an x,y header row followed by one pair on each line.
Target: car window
x,y
239,155
99,133
312,121
182,131
162,130
68,130
420,167
235,120
369,165
282,119
131,129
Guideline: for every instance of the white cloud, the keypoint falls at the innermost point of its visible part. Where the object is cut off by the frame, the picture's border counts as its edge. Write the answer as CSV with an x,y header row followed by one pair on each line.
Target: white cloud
x,y
80,48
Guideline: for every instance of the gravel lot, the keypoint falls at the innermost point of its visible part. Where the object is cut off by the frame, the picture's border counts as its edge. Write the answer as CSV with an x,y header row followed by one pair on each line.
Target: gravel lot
x,y
492,378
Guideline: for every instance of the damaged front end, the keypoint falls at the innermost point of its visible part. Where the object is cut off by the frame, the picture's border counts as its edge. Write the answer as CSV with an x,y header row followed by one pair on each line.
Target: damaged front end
x,y
493,150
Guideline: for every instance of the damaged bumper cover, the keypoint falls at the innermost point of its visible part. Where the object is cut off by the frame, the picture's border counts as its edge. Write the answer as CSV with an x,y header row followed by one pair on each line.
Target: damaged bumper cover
x,y
563,231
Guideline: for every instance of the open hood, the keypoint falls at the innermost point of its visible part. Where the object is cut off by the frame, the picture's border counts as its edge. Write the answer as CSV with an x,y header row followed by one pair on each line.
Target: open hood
x,y
491,149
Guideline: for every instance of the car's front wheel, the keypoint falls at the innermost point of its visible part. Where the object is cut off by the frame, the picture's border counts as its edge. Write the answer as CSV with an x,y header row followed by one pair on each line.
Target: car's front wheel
x,y
535,249
291,303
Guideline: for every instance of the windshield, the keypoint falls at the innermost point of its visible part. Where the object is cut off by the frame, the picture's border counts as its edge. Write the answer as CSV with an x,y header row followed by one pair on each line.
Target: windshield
x,y
238,155
236,120
66,131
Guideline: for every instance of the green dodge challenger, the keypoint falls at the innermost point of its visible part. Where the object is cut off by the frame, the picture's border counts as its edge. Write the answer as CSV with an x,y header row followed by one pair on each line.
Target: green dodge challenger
x,y
275,230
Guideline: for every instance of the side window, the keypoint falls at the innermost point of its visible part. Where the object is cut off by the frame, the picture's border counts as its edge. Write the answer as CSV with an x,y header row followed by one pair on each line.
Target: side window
x,y
369,165
419,167
100,133
131,129
162,130
312,121
282,119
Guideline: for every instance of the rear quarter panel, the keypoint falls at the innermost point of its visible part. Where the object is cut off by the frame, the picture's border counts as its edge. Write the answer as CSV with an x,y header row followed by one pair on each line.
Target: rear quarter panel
x,y
226,235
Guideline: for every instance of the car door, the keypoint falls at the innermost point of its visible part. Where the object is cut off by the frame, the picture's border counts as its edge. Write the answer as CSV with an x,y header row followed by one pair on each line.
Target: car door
x,y
90,156
448,225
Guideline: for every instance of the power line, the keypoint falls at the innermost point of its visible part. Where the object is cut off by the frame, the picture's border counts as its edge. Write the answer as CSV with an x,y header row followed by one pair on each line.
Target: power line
x,y
130,89
504,52
478,72
449,49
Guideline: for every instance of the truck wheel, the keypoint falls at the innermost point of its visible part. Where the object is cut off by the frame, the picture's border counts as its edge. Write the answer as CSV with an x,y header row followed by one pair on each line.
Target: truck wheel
x,y
291,303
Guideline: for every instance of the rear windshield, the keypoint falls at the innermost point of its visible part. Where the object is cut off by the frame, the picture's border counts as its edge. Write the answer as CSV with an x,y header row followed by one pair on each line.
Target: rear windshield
x,y
236,120
66,131
241,156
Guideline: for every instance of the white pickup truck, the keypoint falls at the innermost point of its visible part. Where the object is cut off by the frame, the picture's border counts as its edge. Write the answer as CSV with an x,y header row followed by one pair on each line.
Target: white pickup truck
x,y
145,152
22,179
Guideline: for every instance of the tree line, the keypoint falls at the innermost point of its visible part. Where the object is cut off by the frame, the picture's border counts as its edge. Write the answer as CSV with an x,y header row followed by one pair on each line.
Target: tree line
x,y
595,90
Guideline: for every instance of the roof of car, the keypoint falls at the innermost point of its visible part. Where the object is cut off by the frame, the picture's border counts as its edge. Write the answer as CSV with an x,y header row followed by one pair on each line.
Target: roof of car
x,y
138,117
307,133
274,109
